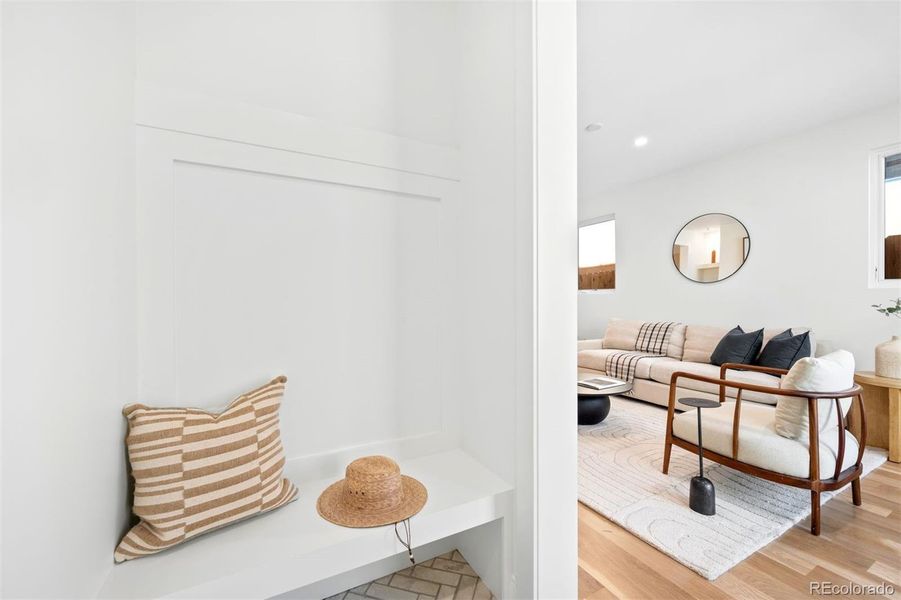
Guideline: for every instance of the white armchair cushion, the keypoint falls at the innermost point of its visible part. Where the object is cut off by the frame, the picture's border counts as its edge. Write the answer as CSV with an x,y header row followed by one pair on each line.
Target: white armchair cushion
x,y
759,444
830,373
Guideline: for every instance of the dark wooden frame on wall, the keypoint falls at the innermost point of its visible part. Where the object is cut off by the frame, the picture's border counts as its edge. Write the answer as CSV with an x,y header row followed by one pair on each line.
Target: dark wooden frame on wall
x,y
812,482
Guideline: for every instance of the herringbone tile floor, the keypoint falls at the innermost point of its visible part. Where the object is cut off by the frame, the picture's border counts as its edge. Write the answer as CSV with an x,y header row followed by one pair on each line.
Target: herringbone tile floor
x,y
445,577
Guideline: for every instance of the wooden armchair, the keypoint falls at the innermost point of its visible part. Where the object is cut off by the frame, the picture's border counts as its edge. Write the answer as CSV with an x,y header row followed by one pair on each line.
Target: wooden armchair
x,y
814,480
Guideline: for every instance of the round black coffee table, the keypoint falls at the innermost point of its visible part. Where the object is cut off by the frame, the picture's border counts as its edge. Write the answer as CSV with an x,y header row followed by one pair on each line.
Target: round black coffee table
x,y
594,405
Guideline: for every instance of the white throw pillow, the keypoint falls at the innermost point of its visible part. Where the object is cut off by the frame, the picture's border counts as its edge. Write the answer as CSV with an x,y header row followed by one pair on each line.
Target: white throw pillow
x,y
830,373
676,342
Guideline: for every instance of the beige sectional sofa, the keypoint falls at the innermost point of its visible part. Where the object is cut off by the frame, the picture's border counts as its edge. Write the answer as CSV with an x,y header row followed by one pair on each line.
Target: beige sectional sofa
x,y
689,349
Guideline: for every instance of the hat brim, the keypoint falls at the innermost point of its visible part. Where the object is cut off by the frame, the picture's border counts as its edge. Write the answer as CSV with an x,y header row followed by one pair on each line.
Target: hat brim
x,y
331,506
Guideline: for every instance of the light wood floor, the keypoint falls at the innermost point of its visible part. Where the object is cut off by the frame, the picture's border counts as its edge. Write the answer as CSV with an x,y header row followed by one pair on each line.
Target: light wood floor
x,y
857,544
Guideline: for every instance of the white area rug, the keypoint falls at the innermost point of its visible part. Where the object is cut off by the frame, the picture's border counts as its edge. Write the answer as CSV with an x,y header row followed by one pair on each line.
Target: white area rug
x,y
620,477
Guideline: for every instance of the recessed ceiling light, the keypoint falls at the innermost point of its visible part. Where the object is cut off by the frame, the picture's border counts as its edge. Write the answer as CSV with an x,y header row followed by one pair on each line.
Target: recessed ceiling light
x,y
641,141
593,126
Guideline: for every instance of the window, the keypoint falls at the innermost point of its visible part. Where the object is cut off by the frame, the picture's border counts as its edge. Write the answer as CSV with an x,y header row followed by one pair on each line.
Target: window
x,y
597,254
885,217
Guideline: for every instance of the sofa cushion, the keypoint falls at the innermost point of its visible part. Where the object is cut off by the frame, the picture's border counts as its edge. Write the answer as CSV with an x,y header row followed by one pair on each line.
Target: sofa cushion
x,y
831,373
784,350
622,334
676,342
759,444
597,360
663,371
738,347
700,341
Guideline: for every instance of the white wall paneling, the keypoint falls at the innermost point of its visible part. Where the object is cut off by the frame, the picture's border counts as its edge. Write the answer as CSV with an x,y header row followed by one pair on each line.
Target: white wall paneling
x,y
256,261
193,112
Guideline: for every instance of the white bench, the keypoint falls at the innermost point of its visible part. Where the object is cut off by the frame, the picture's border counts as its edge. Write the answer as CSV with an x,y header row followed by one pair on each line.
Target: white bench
x,y
293,546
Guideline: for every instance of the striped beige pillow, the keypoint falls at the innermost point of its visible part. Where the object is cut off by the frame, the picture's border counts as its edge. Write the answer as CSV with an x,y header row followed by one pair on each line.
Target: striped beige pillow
x,y
195,471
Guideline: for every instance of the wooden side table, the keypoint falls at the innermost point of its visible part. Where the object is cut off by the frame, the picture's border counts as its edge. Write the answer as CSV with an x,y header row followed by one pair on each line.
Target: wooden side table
x,y
882,402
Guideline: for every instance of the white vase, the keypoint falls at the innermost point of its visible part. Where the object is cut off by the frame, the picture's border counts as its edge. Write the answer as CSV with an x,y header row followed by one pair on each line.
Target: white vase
x,y
888,358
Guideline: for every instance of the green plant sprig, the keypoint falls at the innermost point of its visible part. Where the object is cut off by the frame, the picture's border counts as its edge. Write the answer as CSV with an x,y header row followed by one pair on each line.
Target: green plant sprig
x,y
889,311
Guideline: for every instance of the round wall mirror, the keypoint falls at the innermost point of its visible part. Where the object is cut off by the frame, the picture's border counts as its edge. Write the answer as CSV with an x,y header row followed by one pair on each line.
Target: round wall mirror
x,y
711,247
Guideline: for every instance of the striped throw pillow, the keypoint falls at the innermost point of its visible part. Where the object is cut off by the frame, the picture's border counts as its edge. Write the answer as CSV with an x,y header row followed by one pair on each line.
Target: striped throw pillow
x,y
195,471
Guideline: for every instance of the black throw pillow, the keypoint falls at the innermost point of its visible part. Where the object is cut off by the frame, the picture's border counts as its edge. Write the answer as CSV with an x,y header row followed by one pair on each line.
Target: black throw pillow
x,y
738,347
784,350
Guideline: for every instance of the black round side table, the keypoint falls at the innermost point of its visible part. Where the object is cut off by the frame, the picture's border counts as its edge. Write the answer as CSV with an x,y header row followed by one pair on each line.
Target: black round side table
x,y
594,405
702,496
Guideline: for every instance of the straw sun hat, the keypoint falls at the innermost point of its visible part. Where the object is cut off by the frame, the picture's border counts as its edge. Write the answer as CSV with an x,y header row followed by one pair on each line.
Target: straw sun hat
x,y
373,493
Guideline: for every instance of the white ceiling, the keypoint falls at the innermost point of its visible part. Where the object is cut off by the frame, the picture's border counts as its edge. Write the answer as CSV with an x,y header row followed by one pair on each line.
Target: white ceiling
x,y
700,79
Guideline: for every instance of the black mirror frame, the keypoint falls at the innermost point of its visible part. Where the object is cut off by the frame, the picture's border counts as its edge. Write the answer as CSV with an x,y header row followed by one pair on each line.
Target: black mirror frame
x,y
745,254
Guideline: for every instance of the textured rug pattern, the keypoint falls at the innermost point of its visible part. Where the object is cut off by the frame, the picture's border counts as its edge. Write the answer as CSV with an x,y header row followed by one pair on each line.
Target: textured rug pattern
x,y
620,477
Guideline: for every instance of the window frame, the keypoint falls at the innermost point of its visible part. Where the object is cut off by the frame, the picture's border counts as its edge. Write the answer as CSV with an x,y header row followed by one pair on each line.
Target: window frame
x,y
587,223
876,250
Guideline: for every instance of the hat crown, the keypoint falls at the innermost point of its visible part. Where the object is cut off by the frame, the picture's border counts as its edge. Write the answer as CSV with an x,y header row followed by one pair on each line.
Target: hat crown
x,y
373,483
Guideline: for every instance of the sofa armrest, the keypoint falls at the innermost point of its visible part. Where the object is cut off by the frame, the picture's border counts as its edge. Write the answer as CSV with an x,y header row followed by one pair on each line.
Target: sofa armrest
x,y
591,344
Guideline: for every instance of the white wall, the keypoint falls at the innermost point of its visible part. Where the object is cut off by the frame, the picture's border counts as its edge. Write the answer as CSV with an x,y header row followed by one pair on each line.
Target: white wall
x,y
519,246
487,254
387,66
487,261
556,275
355,253
803,200
68,319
